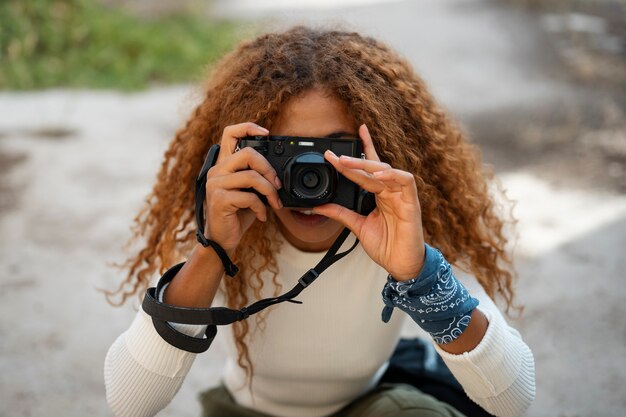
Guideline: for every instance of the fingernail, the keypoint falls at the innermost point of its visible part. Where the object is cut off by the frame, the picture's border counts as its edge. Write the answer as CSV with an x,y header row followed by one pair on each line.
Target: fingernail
x,y
331,153
280,204
277,182
264,129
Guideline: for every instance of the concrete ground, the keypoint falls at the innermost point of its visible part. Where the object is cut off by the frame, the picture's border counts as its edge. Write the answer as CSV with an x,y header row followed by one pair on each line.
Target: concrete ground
x,y
75,167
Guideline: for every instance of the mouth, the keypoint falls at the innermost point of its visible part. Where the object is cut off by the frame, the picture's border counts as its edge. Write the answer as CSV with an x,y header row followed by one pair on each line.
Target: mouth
x,y
306,217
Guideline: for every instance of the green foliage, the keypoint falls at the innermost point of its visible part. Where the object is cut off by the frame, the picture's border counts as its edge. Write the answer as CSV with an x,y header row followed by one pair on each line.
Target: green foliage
x,y
80,43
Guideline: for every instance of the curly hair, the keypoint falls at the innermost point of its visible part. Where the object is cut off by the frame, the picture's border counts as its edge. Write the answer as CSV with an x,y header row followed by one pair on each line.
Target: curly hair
x,y
460,215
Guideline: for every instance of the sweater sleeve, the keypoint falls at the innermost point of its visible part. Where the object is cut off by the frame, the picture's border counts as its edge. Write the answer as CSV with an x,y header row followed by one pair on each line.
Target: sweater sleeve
x,y
142,372
499,373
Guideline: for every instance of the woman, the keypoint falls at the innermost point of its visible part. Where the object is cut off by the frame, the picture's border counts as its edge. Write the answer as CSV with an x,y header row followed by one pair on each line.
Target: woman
x,y
325,357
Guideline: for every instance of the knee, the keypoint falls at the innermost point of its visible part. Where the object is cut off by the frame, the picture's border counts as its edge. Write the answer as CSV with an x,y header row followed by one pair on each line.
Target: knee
x,y
412,402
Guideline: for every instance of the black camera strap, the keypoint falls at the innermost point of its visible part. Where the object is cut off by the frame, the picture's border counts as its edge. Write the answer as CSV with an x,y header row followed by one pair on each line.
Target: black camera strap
x,y
163,314
199,197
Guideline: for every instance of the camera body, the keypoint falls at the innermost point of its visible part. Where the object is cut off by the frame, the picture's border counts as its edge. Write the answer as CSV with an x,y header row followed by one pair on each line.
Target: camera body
x,y
309,180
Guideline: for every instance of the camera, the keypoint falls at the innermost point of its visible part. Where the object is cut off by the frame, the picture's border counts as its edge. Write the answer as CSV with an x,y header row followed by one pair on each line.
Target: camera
x,y
308,179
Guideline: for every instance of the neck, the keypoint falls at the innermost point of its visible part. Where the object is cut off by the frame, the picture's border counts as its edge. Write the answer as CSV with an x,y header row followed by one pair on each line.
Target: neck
x,y
299,244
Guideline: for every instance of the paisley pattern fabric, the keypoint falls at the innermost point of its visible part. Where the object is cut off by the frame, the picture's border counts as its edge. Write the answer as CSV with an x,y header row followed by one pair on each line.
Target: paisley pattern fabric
x,y
435,299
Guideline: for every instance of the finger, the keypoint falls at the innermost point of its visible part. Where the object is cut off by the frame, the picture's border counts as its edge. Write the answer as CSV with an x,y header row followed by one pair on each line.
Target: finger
x,y
233,133
368,144
346,217
404,181
245,159
239,200
363,164
390,184
358,176
402,178
246,179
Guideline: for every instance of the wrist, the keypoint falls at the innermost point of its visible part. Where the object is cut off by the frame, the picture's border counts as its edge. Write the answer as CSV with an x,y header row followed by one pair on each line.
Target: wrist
x,y
225,257
434,299
411,273
427,267
205,255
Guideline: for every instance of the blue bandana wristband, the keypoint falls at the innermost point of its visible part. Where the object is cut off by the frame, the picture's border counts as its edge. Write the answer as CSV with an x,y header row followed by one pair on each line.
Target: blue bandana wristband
x,y
435,299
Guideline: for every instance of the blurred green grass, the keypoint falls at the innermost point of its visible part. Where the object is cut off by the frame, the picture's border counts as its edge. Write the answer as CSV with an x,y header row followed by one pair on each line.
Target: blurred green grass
x,y
81,43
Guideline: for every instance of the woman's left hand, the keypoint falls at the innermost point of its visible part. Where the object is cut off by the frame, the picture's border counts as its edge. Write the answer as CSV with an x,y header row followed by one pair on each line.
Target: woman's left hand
x,y
392,234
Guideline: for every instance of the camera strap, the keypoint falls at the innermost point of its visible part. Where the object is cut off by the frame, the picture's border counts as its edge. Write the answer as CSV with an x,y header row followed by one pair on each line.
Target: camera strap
x,y
199,197
164,314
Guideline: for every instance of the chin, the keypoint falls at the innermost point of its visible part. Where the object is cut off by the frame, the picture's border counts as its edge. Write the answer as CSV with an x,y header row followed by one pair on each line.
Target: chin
x,y
307,231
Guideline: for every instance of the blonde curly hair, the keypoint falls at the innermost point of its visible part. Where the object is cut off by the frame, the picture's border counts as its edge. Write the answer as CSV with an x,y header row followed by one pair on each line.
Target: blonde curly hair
x,y
410,131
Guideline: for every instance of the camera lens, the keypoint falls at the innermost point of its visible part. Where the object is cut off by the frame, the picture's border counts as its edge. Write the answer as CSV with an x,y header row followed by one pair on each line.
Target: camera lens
x,y
310,179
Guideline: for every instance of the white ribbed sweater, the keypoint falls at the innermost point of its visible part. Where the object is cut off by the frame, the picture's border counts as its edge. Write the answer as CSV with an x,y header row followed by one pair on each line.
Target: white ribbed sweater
x,y
312,359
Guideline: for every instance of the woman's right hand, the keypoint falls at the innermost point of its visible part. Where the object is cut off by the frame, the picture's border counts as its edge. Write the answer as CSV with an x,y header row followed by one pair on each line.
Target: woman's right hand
x,y
230,211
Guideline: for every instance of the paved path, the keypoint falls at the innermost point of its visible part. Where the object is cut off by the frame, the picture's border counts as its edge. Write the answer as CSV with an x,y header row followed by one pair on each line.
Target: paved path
x,y
75,167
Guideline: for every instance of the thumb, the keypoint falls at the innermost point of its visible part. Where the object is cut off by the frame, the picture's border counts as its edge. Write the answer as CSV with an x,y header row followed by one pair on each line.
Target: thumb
x,y
346,217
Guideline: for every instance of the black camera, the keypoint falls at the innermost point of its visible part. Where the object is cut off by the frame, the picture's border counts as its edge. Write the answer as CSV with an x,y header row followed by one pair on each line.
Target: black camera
x,y
308,179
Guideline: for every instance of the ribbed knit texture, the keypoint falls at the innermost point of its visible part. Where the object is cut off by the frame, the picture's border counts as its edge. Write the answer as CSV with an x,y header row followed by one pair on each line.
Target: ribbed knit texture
x,y
312,359
142,372
499,373
131,389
